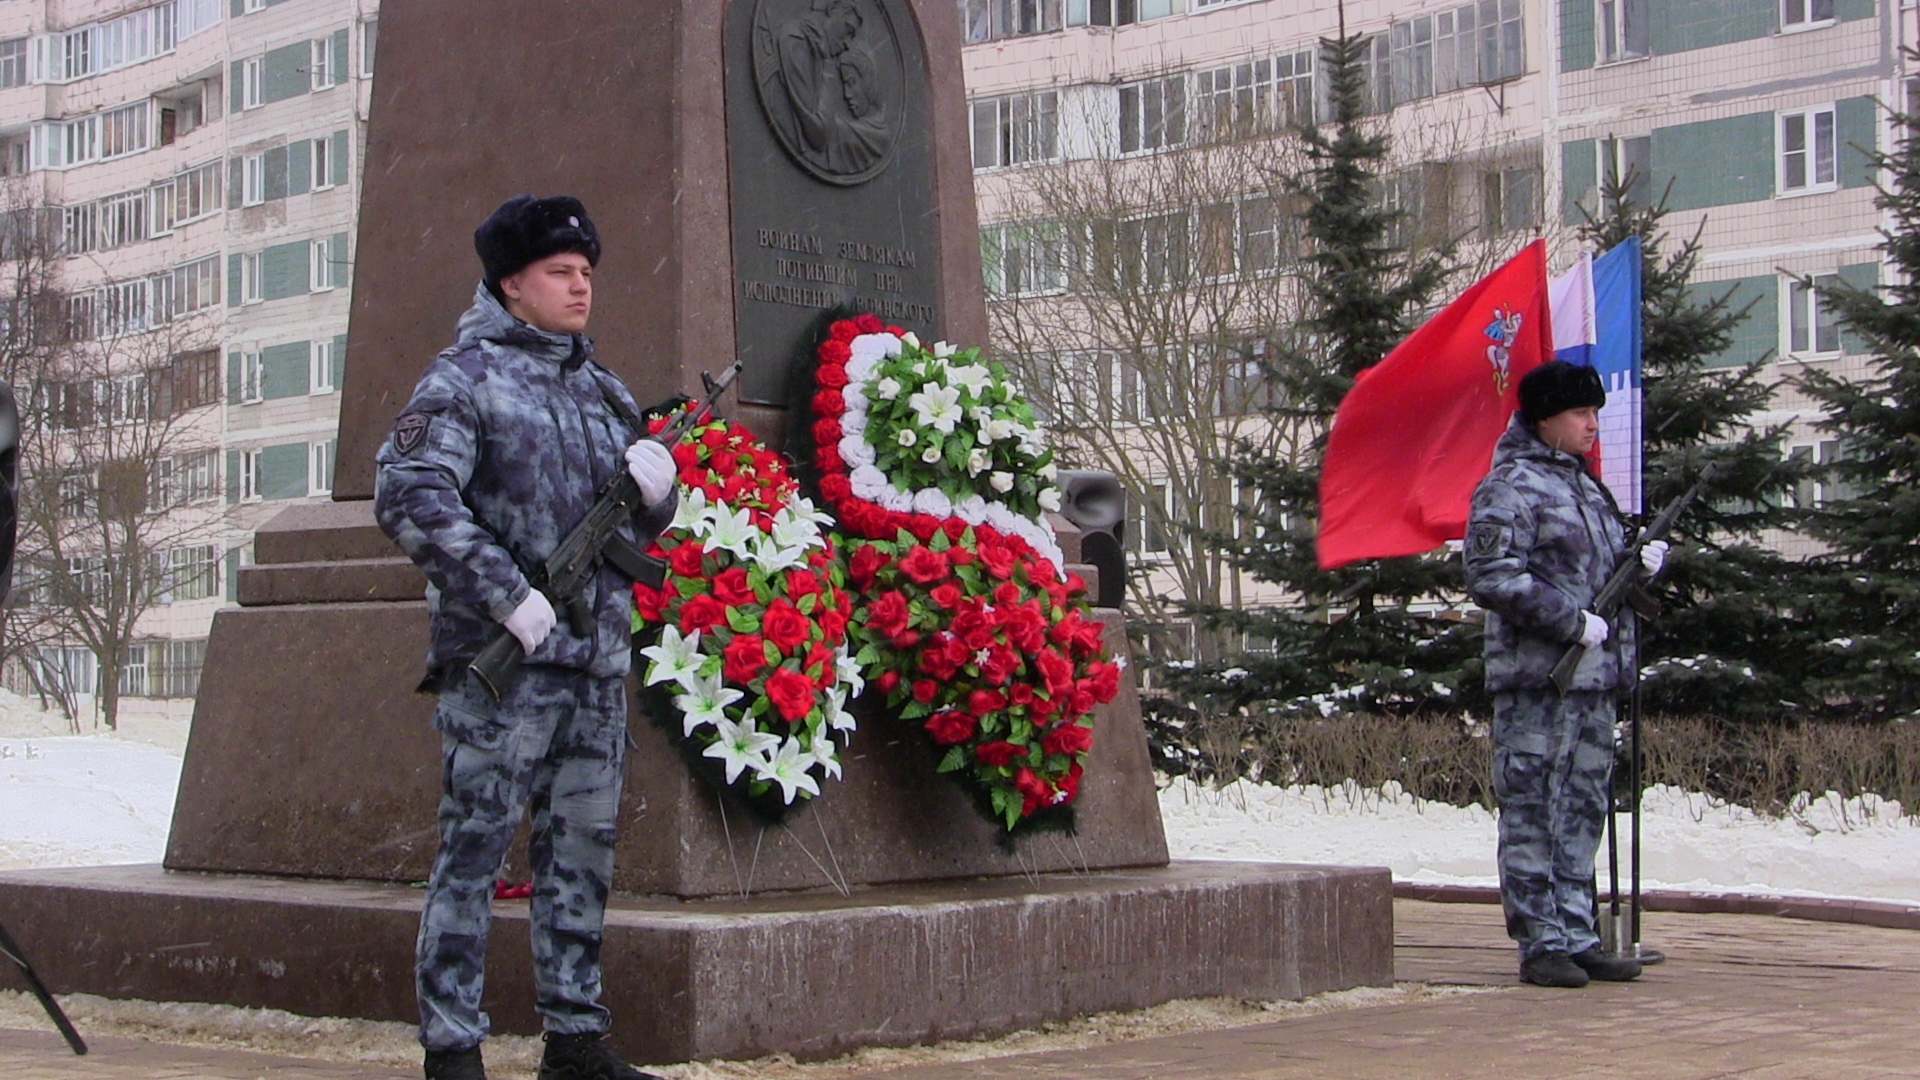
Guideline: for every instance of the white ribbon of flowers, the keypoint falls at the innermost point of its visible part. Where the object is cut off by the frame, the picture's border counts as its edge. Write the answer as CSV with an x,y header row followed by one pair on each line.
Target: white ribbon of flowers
x,y
869,483
704,700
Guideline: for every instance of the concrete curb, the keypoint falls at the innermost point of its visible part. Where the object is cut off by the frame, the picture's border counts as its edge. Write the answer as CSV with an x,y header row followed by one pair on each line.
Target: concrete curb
x,y
1886,913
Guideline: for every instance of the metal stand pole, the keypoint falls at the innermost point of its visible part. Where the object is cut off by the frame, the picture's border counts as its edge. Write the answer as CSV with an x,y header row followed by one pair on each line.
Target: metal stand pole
x,y
14,953
1634,771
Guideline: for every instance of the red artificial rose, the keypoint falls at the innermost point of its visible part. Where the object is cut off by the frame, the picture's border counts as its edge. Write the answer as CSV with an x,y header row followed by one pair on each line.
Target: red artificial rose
x,y
946,594
834,351
867,562
831,376
701,612
867,322
1076,584
1020,694
785,626
973,628
1034,792
802,584
1066,629
924,565
649,602
982,702
896,331
998,754
829,403
1105,680
997,559
745,658
733,489
713,438
723,465
954,528
843,331
958,555
826,432
1070,783
656,425
903,640
1006,594
686,456
1081,702
925,690
820,658
923,527
833,623
887,681
827,459
792,694
1041,708
837,489
1000,665
1057,670
1067,739
949,727
685,560
1027,628
888,613
935,661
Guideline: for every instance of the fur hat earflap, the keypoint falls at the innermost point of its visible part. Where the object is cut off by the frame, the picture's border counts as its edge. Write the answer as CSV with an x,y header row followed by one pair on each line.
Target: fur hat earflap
x,y
1556,386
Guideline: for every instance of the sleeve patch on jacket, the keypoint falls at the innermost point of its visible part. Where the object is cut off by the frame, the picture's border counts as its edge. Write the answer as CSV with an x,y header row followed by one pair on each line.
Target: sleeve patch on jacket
x,y
410,432
1489,539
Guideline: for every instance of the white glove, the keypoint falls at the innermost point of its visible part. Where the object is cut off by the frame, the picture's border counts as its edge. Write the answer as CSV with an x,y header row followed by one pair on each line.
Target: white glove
x,y
651,466
1653,556
1594,632
532,621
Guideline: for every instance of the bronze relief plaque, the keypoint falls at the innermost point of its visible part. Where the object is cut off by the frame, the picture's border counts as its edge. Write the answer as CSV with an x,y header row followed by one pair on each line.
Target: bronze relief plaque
x,y
830,170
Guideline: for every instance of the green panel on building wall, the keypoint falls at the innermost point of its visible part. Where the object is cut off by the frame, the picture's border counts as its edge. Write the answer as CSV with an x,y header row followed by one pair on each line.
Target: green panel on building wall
x,y
283,471
1848,10
236,182
1715,162
299,166
1860,276
1576,35
283,271
235,88
339,48
339,360
233,378
233,476
233,281
284,370
275,170
239,8
338,252
337,158
1579,176
1859,122
284,74
1683,25
1759,334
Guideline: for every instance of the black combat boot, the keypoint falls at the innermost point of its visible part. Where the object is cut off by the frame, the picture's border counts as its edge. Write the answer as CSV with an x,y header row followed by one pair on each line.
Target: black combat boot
x,y
1599,965
455,1064
1550,969
585,1056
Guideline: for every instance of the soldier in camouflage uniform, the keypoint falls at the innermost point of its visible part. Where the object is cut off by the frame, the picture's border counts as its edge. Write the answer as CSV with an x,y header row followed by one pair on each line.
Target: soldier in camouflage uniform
x,y
1543,536
496,457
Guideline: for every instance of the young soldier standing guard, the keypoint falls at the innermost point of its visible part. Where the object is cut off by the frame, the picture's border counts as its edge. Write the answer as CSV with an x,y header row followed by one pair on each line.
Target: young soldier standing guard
x,y
498,454
1542,538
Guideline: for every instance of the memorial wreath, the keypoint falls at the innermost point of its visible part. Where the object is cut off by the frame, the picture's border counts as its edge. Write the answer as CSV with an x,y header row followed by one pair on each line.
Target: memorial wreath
x,y
746,637
940,476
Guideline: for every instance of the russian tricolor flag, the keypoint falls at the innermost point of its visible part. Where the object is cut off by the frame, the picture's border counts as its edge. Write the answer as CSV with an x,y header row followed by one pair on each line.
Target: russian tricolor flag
x,y
1596,321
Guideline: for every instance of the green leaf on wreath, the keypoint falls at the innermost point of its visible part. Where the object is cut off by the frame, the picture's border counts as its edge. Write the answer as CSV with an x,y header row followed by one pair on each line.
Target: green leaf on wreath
x,y
955,758
868,655
913,710
807,604
1022,730
771,652
940,542
741,622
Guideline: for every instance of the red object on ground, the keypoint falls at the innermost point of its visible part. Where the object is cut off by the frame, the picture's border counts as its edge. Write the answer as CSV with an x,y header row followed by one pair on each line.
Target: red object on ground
x,y
504,891
1416,433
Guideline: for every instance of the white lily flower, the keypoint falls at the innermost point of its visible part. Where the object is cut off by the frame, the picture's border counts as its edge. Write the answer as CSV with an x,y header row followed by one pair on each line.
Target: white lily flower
x,y
906,436
789,769
1001,481
846,670
937,407
1049,471
795,530
910,338
977,461
998,430
943,350
705,702
887,388
676,659
731,529
740,746
691,511
972,377
980,415
771,556
1050,499
824,754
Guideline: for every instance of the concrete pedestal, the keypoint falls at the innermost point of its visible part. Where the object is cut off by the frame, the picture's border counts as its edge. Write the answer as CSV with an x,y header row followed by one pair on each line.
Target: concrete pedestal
x,y
814,974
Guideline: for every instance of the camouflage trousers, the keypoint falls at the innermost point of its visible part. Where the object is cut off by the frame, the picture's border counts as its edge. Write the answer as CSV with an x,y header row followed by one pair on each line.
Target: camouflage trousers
x,y
553,749
1552,772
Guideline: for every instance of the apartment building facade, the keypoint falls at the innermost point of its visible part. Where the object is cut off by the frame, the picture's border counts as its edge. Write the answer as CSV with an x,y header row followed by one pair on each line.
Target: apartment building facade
x,y
199,160
1752,118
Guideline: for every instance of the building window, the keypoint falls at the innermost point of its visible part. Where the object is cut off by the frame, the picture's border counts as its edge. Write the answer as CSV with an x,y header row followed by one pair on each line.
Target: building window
x,y
123,219
320,479
1808,151
194,572
988,20
253,187
1510,199
322,177
1016,130
1622,27
250,82
79,233
1813,492
326,264
369,33
1254,96
1805,14
196,285
1153,114
1812,329
1154,252
252,373
1023,260
248,7
326,366
1626,167
1376,73
320,73
250,287
13,63
249,475
197,193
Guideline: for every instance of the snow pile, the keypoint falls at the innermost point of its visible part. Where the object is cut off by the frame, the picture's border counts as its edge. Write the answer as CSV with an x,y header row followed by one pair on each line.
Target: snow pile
x,y
84,800
1855,849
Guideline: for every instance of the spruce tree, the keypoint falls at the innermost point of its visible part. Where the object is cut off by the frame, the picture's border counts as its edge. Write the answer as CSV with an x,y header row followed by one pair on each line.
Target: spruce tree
x,y
1349,637
1870,657
1729,642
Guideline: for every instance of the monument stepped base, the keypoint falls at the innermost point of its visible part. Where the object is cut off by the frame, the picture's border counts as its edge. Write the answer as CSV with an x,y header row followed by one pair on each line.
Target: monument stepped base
x,y
812,974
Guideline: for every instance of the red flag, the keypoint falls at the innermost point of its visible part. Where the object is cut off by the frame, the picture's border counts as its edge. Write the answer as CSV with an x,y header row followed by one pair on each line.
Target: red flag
x,y
1416,433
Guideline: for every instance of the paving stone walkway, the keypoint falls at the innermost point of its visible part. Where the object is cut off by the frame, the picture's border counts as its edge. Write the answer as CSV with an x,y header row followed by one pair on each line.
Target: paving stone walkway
x,y
1743,996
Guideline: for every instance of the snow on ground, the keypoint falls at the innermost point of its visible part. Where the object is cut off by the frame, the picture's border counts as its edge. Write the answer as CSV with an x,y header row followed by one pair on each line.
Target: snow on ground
x,y
1860,849
83,800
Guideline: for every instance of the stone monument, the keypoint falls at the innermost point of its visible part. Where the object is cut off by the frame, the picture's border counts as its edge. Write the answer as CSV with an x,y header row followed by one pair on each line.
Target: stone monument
x,y
755,167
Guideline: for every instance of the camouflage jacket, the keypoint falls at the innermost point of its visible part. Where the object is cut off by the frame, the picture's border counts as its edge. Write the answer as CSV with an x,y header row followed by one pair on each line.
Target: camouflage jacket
x,y
496,457
1542,538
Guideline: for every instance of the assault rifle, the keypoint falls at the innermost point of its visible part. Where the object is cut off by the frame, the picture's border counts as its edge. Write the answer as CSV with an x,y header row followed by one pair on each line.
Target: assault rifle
x,y
1624,586
564,575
